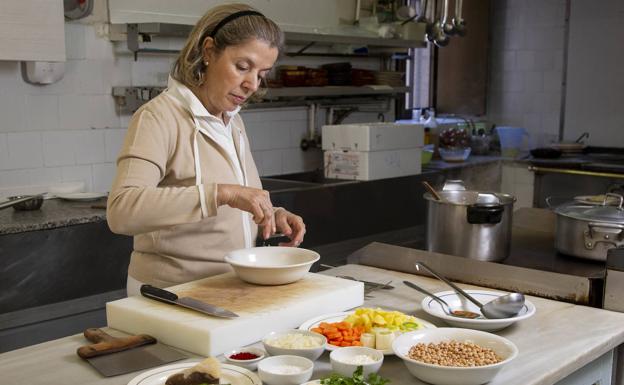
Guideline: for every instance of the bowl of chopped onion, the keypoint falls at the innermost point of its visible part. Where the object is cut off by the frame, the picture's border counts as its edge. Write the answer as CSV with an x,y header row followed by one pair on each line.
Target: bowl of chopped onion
x,y
346,360
295,342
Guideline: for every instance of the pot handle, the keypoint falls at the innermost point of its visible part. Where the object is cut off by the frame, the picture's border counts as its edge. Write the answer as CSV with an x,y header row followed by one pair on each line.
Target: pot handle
x,y
610,233
619,197
478,215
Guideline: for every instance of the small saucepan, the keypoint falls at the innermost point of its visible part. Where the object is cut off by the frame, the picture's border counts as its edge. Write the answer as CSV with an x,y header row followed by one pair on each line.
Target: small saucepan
x,y
23,202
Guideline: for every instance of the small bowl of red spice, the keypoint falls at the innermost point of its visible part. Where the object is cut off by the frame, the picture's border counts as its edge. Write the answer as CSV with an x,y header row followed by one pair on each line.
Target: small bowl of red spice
x,y
247,358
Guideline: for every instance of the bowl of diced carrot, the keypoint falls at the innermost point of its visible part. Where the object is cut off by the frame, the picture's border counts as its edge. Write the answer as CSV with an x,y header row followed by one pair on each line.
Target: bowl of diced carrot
x,y
340,334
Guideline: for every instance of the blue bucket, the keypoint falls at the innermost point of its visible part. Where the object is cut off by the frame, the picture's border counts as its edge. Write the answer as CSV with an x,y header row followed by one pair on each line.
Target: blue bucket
x,y
512,140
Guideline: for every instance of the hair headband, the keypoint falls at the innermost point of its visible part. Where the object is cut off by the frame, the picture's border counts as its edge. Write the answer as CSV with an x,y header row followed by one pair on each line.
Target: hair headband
x,y
231,17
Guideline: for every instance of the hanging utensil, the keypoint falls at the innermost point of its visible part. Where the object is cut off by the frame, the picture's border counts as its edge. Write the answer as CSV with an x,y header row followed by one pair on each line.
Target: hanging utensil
x,y
459,25
437,30
505,306
447,26
422,13
430,11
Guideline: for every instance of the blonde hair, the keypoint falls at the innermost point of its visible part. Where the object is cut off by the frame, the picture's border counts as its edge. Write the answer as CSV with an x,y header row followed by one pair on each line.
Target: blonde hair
x,y
189,66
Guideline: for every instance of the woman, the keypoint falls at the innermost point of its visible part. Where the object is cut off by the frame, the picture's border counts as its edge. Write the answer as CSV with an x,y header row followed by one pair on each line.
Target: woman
x,y
186,186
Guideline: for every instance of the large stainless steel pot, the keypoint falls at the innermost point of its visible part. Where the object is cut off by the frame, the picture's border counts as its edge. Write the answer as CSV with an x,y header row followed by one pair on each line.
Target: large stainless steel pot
x,y
470,224
588,231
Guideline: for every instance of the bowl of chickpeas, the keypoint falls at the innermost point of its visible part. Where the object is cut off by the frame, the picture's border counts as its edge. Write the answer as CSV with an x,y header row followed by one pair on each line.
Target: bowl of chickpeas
x,y
454,356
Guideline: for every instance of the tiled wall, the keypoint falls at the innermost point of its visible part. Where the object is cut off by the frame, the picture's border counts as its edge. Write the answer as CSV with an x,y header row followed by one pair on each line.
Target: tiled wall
x,y
70,130
526,72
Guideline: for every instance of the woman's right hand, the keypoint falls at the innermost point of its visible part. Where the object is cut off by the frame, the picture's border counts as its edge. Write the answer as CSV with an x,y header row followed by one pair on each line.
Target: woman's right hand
x,y
253,200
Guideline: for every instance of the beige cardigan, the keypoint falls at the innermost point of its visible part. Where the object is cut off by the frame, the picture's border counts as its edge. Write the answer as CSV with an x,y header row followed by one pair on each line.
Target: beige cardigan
x,y
154,197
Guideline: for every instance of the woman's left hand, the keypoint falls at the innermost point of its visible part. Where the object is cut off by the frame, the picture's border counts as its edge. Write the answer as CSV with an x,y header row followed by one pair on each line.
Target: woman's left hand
x,y
290,225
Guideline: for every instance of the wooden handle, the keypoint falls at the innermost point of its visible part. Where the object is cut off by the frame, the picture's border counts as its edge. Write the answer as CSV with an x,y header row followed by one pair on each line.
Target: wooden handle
x,y
106,344
432,191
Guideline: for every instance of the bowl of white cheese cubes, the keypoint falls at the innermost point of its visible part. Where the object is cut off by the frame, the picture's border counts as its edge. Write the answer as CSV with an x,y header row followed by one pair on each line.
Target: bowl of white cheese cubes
x,y
295,342
345,360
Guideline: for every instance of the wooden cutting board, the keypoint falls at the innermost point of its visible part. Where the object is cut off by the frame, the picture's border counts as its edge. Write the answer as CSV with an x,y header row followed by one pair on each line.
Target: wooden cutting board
x,y
261,309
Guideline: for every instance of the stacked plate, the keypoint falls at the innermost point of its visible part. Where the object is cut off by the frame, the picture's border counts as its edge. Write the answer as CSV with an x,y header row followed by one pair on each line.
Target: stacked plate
x,y
391,78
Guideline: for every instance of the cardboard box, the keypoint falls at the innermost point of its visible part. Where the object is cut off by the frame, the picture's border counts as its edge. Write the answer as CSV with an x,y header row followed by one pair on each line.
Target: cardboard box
x,y
371,165
372,136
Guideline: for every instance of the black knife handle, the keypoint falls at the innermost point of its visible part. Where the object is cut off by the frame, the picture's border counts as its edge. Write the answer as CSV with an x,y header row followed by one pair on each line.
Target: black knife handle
x,y
158,294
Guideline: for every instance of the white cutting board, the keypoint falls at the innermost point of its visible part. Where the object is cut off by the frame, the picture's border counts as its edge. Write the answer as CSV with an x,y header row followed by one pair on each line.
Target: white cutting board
x,y
261,309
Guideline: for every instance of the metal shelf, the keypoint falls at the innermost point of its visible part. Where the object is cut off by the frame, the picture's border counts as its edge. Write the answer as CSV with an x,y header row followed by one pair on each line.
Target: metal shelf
x,y
131,98
319,38
147,30
290,92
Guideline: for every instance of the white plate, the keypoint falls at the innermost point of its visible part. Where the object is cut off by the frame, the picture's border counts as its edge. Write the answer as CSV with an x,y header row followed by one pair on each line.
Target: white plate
x,y
81,196
337,317
313,382
230,374
456,302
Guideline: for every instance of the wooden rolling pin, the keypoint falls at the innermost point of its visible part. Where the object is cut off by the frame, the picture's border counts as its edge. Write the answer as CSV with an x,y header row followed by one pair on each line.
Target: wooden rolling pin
x,y
104,343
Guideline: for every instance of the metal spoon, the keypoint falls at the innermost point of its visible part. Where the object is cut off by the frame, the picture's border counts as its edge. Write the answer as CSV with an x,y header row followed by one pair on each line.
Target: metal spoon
x,y
458,23
422,17
445,306
505,306
447,26
439,37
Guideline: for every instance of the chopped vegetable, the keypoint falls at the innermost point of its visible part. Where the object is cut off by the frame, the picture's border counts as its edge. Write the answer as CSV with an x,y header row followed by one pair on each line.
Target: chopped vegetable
x,y
340,333
392,320
356,379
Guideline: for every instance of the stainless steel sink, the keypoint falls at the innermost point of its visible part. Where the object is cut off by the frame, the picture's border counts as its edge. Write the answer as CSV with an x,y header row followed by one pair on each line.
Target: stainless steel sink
x,y
272,184
301,180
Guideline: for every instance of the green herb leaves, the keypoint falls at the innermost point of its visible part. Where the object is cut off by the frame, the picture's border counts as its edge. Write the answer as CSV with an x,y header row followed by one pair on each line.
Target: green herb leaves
x,y
357,379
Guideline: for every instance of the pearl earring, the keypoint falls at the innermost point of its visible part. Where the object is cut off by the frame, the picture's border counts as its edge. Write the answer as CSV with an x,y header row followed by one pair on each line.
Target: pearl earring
x,y
206,63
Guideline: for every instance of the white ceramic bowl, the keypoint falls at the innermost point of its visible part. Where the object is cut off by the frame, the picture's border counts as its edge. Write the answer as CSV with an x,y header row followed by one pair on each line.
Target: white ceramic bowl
x,y
340,360
247,364
272,370
311,353
448,375
456,302
271,265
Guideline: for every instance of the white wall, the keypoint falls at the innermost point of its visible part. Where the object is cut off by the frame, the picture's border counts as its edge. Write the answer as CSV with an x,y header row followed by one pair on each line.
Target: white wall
x,y
526,73
527,69
292,15
595,89
71,131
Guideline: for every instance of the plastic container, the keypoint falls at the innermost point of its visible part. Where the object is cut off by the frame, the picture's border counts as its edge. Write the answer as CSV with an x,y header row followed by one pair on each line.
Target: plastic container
x,y
426,154
512,140
454,154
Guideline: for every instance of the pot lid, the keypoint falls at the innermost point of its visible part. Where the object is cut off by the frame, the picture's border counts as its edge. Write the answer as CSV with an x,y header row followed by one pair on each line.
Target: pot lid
x,y
593,213
468,198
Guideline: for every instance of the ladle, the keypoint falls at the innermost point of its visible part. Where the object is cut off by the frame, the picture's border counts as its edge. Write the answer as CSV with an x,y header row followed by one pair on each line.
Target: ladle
x,y
459,25
445,306
505,306
447,26
432,191
439,37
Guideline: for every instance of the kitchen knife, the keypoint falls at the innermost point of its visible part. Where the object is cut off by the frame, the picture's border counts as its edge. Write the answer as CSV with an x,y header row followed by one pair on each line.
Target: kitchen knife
x,y
162,295
112,356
